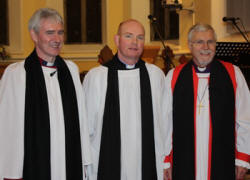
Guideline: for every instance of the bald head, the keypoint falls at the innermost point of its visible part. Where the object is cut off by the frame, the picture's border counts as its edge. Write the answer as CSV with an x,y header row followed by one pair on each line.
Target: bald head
x,y
132,21
130,41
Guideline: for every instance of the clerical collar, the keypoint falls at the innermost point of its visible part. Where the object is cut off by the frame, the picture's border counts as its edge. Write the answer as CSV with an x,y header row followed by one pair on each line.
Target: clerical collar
x,y
130,66
201,69
117,64
127,65
46,64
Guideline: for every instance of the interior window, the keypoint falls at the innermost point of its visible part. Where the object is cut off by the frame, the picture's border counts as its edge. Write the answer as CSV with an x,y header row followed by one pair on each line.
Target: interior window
x,y
4,36
167,19
83,21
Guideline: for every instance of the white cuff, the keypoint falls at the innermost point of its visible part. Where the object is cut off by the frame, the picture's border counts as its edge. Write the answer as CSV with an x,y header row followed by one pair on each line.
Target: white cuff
x,y
242,163
166,165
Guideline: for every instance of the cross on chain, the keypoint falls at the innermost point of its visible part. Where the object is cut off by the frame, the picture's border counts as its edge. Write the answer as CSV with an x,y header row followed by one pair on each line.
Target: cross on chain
x,y
200,106
201,99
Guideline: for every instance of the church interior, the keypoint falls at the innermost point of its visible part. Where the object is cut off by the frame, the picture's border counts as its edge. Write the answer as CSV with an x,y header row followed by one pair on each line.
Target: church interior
x,y
16,44
86,55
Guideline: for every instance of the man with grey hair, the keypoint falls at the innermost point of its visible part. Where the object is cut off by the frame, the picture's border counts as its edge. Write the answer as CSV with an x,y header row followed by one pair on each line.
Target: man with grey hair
x,y
42,122
207,105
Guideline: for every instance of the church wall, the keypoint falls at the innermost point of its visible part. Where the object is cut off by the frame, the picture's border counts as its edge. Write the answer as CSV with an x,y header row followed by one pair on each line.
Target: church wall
x,y
207,11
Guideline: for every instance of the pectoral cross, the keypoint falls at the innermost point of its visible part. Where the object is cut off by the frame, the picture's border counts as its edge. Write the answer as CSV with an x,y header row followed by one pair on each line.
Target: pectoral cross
x,y
201,99
200,106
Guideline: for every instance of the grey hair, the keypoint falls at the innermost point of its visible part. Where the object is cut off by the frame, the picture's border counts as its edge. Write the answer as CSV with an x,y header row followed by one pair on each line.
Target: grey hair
x,y
200,28
43,13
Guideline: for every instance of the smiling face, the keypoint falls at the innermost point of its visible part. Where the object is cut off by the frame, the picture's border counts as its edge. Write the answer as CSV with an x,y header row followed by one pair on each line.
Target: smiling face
x,y
202,47
49,39
130,41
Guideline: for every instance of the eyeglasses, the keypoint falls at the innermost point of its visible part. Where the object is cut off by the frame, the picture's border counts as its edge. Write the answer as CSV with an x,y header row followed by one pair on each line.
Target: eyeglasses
x,y
202,42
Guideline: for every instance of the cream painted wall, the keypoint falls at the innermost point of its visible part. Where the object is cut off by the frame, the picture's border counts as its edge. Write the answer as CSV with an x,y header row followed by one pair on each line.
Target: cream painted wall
x,y
21,44
114,11
212,12
203,11
29,7
114,15
127,9
218,11
186,21
58,5
19,14
15,37
140,11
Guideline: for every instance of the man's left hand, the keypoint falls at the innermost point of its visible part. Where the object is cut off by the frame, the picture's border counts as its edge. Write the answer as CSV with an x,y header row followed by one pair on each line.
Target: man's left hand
x,y
240,172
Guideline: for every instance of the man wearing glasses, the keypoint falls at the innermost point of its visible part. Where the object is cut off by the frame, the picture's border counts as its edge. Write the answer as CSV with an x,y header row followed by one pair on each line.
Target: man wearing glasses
x,y
207,105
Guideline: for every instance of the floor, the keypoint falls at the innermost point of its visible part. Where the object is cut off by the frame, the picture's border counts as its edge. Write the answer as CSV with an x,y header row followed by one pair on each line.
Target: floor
x,y
247,176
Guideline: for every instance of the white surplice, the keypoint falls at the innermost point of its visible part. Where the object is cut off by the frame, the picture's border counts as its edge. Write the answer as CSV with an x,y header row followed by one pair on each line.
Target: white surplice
x,y
203,121
12,106
94,86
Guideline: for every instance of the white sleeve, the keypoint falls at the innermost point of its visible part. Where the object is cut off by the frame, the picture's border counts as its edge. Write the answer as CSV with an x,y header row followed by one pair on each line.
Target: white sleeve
x,y
12,97
167,114
86,151
242,120
91,96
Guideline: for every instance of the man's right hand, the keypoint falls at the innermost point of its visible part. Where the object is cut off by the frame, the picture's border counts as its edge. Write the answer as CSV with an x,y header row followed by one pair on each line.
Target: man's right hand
x,y
167,174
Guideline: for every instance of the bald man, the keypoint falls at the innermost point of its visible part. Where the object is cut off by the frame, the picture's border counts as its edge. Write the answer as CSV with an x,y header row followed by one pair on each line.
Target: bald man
x,y
123,100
